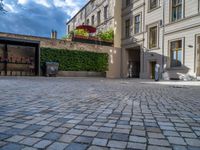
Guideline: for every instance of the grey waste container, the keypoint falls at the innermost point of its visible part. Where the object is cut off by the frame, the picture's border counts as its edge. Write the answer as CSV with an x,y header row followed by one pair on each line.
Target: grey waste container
x,y
51,68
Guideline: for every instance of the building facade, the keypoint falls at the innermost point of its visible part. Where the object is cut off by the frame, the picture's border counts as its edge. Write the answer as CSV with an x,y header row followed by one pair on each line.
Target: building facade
x,y
150,32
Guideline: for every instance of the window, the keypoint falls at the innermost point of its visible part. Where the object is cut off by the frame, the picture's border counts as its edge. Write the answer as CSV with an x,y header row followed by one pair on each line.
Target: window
x,y
99,17
199,5
93,20
68,29
88,21
176,53
153,37
81,15
177,9
128,2
153,4
137,24
127,28
106,12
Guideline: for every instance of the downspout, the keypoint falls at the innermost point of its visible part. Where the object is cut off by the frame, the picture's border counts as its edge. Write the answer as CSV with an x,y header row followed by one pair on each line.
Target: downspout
x,y
163,38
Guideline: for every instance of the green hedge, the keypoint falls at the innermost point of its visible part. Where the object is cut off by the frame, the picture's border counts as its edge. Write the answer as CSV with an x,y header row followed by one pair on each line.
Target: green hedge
x,y
72,60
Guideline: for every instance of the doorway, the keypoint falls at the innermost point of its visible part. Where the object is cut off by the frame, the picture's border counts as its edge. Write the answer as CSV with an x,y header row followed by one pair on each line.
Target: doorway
x,y
134,62
18,58
152,72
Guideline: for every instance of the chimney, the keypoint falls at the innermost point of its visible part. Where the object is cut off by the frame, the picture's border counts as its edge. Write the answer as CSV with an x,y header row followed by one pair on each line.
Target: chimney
x,y
53,34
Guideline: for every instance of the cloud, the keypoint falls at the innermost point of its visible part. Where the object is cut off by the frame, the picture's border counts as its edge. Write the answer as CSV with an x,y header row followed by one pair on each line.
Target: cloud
x,y
22,2
38,17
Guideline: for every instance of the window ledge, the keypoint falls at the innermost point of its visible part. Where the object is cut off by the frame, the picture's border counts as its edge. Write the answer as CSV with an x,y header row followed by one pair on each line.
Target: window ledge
x,y
155,48
150,10
176,68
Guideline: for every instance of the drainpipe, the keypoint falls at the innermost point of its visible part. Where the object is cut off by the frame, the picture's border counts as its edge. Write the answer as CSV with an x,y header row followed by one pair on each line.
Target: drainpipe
x,y
163,38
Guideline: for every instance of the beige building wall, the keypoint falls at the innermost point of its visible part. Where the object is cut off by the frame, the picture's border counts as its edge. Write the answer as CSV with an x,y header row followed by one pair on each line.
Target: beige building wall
x,y
187,28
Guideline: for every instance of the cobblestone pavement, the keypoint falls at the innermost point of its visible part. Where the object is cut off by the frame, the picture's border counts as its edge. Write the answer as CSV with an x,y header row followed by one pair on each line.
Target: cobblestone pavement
x,y
97,114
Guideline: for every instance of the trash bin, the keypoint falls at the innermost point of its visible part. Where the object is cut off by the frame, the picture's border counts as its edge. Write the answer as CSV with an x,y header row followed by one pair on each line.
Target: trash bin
x,y
157,72
51,68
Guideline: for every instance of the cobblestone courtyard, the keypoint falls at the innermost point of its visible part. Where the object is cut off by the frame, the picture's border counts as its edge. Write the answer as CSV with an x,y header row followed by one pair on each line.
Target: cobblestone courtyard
x,y
95,114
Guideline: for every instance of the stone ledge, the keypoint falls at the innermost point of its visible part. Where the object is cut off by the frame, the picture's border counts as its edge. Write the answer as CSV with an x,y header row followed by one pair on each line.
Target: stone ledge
x,y
80,74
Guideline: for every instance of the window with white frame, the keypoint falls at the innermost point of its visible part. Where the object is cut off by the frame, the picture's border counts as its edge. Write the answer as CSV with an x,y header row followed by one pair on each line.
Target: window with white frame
x,y
99,17
153,37
137,23
106,12
177,10
88,21
176,51
199,5
92,20
153,4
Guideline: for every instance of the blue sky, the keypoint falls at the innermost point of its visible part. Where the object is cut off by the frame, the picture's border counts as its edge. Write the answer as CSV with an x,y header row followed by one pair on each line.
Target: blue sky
x,y
38,17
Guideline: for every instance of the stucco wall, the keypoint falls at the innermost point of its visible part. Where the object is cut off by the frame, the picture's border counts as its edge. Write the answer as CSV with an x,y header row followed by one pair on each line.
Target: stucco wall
x,y
114,53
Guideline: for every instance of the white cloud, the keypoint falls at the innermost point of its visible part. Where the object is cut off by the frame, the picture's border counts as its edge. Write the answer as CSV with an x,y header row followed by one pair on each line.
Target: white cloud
x,y
22,2
43,2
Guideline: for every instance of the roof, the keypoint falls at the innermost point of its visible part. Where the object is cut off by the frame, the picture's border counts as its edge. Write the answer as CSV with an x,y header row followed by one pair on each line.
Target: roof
x,y
79,11
19,41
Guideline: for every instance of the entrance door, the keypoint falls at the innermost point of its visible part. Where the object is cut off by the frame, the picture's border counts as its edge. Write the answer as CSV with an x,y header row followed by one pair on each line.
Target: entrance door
x,y
2,60
198,56
134,62
17,60
153,65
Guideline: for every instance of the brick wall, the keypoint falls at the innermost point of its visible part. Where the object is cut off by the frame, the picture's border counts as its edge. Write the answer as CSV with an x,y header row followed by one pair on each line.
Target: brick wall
x,y
114,59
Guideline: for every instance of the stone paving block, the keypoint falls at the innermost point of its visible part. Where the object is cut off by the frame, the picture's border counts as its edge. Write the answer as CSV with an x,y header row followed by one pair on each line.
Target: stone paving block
x,y
158,148
188,135
52,136
137,139
193,142
42,144
4,136
2,143
176,140
100,142
29,148
160,142
77,146
12,146
26,132
177,147
75,132
104,135
116,144
120,136
118,130
67,138
21,126
29,141
83,139
89,133
57,146
15,138
138,132
138,146
61,130
97,148
156,135
171,133
38,134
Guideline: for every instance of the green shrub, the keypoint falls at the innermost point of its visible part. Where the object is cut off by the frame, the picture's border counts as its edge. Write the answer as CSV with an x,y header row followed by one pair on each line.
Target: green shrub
x,y
107,35
71,60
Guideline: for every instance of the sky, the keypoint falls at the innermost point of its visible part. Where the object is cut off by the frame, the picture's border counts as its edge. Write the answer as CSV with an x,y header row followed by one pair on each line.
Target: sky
x,y
38,17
